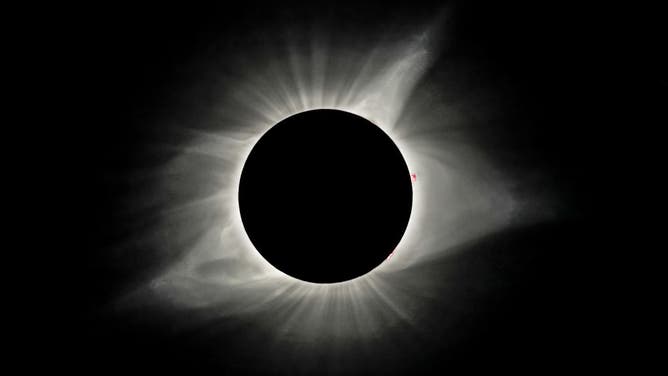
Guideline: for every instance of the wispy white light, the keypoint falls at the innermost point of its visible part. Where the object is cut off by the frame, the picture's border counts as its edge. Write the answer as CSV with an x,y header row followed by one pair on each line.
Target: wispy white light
x,y
458,194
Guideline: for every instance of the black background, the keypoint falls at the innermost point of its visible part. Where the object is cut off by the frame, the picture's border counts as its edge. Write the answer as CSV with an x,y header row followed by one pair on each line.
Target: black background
x,y
108,69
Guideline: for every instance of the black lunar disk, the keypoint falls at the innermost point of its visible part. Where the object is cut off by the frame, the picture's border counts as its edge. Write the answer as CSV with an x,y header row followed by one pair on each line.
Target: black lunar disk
x,y
325,196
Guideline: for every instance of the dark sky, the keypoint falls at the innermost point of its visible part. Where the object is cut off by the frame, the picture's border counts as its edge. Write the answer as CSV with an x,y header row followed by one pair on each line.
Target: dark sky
x,y
118,68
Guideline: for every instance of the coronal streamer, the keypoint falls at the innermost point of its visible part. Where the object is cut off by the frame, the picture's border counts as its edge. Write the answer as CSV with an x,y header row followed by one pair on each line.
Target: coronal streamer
x,y
458,194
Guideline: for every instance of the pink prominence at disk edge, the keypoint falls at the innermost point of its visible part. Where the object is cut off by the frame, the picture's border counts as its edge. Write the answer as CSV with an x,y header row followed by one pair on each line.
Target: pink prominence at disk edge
x,y
413,177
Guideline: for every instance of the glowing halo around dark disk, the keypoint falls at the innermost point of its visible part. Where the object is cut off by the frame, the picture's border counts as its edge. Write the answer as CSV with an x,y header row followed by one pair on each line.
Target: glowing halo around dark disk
x,y
325,196
217,275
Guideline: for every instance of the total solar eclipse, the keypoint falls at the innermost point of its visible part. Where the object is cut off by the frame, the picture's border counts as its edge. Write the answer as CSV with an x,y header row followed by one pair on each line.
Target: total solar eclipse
x,y
325,196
